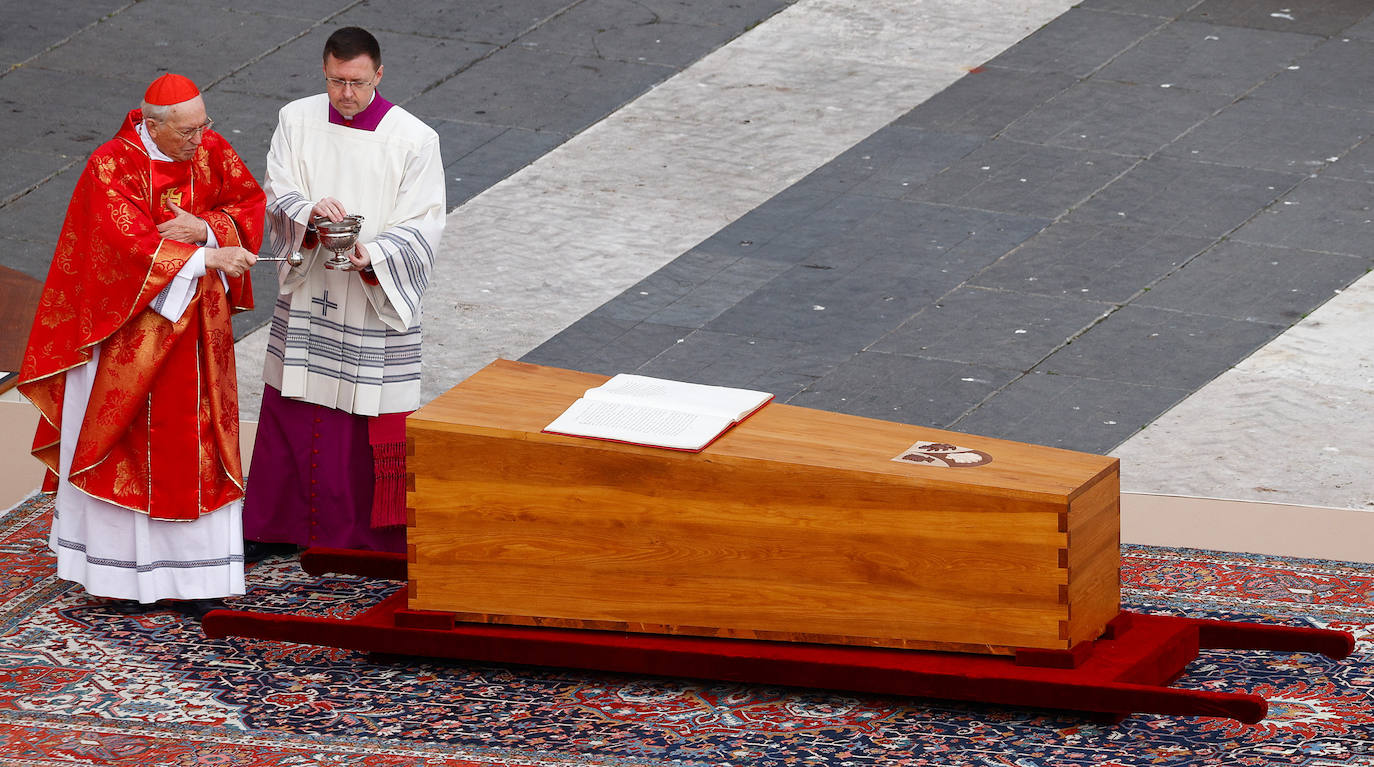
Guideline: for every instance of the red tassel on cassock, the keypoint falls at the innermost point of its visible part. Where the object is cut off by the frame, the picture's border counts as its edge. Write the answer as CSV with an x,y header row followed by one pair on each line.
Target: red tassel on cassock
x,y
387,433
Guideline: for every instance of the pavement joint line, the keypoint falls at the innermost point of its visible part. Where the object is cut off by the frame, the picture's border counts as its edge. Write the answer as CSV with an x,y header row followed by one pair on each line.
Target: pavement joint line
x,y
68,38
495,49
316,25
34,186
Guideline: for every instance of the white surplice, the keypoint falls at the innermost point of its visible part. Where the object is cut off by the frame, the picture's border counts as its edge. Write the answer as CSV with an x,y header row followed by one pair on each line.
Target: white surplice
x,y
336,340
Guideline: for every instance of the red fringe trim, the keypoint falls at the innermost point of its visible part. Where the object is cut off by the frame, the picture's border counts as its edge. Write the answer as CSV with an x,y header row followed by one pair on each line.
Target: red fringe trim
x,y
389,491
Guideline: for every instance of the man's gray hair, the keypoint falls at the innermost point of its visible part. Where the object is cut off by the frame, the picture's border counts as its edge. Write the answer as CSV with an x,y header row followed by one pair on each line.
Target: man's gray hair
x,y
157,112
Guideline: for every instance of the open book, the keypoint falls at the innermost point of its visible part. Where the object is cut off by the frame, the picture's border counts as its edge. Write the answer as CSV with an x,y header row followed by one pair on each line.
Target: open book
x,y
654,411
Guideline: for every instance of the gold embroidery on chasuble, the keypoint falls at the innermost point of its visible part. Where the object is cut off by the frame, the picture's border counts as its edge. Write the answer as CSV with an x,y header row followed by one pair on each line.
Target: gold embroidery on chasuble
x,y
209,468
169,198
162,398
202,165
54,311
105,170
129,479
123,215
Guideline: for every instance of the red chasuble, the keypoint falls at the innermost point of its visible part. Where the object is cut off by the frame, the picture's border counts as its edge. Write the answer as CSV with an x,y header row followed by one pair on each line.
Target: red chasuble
x,y
161,432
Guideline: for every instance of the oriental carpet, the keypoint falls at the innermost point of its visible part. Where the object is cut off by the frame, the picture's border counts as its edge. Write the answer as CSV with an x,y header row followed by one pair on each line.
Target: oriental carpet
x,y
83,681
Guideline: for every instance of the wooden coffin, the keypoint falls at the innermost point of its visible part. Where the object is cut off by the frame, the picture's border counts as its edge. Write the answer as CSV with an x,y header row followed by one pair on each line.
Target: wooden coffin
x,y
795,525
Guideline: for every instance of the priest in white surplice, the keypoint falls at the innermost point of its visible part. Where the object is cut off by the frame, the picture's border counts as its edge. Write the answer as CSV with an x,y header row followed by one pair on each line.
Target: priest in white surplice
x,y
343,359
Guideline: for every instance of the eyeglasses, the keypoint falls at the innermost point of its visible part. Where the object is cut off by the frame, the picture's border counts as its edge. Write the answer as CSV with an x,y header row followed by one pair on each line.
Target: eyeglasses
x,y
187,134
357,85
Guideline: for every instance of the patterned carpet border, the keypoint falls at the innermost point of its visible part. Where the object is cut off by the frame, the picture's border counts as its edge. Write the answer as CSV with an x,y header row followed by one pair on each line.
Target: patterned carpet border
x,y
85,681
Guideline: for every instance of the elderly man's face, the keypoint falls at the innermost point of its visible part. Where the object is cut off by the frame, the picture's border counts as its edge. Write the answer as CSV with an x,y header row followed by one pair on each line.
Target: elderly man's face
x,y
350,83
181,132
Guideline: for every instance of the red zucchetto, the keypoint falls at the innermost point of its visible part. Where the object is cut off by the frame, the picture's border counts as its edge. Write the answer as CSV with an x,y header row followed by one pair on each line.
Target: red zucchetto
x,y
170,89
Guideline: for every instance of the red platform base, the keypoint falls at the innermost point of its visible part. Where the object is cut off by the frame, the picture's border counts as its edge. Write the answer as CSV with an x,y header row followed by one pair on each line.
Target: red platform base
x,y
1126,671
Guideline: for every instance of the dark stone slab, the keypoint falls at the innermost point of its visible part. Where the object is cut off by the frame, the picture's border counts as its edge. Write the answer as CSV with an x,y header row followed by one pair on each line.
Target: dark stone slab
x,y
495,22
904,389
942,242
1114,117
539,91
894,230
622,30
891,161
1339,73
1160,348
64,113
573,346
460,138
713,296
511,149
1086,414
1078,42
1208,57
1326,214
1313,17
31,28
37,216
945,239
1016,177
868,277
945,242
27,256
1167,9
996,328
410,65
1356,165
1182,197
24,170
1250,282
155,38
500,22
694,289
599,344
295,70
1259,133
1102,263
297,10
724,359
1363,30
835,305
985,101
458,143
736,15
790,233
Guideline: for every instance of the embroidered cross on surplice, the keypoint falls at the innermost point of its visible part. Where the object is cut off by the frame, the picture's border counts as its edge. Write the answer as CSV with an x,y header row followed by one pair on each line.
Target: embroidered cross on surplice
x,y
325,304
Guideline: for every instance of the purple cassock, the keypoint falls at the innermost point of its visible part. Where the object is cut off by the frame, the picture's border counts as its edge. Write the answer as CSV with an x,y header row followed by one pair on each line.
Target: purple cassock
x,y
312,476
311,479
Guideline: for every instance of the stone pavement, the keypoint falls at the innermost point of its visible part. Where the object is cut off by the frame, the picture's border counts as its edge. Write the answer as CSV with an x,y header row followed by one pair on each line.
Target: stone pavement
x,y
940,213
1059,248
502,81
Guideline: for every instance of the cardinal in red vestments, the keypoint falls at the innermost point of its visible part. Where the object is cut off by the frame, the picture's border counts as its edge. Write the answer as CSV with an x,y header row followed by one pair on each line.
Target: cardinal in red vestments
x,y
131,357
